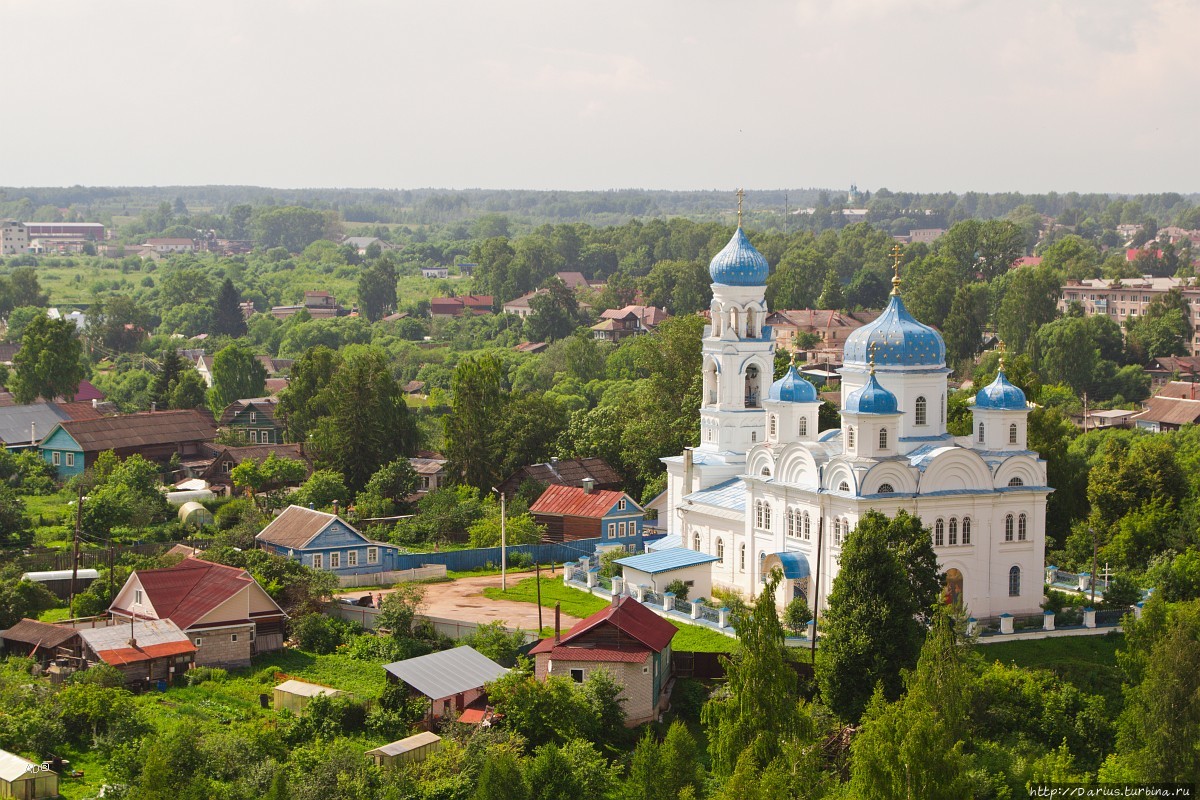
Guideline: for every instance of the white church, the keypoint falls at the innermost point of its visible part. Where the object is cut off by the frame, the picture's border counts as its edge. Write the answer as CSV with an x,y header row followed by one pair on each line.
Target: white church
x,y
765,489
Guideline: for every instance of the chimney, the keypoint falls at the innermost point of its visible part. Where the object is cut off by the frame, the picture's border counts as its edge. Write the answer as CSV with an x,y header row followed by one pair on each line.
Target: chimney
x,y
557,622
335,508
95,402
687,470
153,406
589,485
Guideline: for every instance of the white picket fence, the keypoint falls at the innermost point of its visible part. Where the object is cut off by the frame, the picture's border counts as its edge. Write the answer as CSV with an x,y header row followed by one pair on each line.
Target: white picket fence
x,y
392,577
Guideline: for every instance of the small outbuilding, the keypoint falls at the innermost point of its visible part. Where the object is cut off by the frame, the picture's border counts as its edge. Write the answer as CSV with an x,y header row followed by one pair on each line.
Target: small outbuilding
x,y
58,581
413,748
41,641
294,695
192,513
660,568
22,778
452,679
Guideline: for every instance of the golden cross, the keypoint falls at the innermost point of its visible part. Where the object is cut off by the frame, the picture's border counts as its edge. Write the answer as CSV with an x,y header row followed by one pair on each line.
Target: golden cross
x,y
896,251
740,194
873,345
1001,348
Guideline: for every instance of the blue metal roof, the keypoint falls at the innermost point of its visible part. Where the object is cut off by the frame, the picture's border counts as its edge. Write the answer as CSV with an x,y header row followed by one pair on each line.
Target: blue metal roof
x,y
795,565
872,398
1000,395
897,338
792,388
730,494
666,560
739,264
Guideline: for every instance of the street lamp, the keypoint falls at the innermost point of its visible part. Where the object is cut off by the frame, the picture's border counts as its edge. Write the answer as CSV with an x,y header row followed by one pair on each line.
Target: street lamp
x,y
503,544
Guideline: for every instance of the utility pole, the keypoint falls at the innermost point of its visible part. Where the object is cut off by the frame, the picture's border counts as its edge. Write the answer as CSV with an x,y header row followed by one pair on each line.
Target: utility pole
x,y
503,543
75,549
1093,581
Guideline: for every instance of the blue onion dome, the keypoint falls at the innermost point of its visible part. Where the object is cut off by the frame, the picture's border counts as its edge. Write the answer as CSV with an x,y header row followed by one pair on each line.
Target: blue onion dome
x,y
792,388
872,398
1000,395
897,340
739,264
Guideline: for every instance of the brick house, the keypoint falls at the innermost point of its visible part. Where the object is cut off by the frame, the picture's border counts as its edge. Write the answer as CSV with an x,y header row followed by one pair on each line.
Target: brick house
x,y
223,610
626,639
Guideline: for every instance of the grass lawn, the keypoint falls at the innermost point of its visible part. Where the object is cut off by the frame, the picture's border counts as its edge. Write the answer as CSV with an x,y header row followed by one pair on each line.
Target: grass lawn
x,y
580,604
55,614
1088,662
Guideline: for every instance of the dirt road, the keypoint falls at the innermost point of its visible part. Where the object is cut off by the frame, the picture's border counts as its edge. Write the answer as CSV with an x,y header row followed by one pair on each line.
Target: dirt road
x,y
463,600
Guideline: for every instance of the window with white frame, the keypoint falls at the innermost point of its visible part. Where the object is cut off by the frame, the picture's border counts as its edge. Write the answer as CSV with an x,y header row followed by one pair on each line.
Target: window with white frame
x,y
56,458
318,561
621,504
621,530
70,459
789,523
883,439
696,541
980,436
886,488
1008,528
774,424
939,533
807,526
1014,582
721,550
335,560
843,486
1022,528
1016,482
804,426
1012,433
137,597
767,516
850,437
612,530
742,558
758,513
952,531
233,637
352,558
966,530
372,555
921,412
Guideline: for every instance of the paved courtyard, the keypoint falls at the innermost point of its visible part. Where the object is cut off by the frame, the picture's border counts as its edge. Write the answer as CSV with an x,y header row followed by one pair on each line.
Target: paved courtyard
x,y
463,600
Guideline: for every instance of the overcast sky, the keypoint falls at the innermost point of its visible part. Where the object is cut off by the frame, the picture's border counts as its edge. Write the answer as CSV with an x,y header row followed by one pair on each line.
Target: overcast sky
x,y
924,95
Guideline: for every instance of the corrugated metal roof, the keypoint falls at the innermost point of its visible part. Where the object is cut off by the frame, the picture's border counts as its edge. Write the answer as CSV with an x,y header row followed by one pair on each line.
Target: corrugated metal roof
x,y
666,560
29,423
665,543
1170,411
445,674
628,616
572,501
13,767
154,638
187,591
596,654
569,472
407,744
133,430
297,526
42,634
729,494
60,575
131,655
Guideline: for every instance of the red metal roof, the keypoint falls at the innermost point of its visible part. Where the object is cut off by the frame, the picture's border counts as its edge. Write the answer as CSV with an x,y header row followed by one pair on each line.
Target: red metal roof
x,y
628,616
187,591
572,501
132,655
597,654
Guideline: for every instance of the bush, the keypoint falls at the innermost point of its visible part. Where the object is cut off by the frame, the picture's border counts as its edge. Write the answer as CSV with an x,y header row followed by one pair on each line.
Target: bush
x,y
679,589
519,559
796,615
198,675
318,633
688,697
609,568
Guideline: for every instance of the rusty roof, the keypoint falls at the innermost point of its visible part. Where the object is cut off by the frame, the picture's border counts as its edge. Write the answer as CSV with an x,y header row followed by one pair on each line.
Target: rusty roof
x,y
570,472
140,430
1170,411
42,634
573,501
297,526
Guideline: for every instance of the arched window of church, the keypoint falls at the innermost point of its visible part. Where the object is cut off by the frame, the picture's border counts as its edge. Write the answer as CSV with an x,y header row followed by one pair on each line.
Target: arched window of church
x,y
710,382
850,437
750,324
843,487
980,437
758,511
766,472
883,438
733,321
939,533
721,550
807,526
966,530
752,386
789,523
804,426
886,488
774,422
753,436
767,515
1012,433
1008,528
1016,482
696,541
837,532
1014,582
1022,527
742,558
952,532
921,412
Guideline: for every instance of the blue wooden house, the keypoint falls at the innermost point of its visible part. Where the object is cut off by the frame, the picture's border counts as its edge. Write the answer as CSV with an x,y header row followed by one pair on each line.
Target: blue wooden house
x,y
326,542
572,512
73,445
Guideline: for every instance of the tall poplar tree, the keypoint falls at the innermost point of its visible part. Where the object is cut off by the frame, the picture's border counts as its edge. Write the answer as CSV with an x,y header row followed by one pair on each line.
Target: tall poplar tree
x,y
477,399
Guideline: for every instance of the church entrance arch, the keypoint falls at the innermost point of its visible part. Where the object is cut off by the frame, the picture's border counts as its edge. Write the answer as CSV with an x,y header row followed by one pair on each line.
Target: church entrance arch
x,y
796,575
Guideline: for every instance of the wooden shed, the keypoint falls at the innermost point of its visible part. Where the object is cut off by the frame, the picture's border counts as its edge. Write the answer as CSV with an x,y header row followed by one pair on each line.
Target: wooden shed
x,y
294,695
22,778
414,748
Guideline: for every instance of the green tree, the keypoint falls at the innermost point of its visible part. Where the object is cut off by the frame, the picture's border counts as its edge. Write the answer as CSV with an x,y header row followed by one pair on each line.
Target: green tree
x,y
49,363
472,446
831,292
367,422
228,319
387,489
237,374
301,404
267,480
886,584
757,708
1028,299
964,326
501,779
554,313
519,529
189,391
322,489
171,367
377,290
